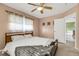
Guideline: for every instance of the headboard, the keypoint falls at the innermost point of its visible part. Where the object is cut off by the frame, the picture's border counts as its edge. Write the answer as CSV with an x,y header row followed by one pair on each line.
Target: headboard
x,y
8,35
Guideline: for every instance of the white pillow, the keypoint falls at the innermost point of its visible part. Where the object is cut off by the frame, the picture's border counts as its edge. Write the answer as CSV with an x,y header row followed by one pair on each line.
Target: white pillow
x,y
18,37
49,41
28,36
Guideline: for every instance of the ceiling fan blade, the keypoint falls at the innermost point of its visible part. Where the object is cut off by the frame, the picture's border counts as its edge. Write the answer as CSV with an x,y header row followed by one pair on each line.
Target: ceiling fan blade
x,y
33,4
41,11
34,10
47,7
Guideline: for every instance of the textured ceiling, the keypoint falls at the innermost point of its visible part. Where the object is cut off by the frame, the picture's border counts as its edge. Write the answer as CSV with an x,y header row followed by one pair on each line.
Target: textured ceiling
x,y
57,8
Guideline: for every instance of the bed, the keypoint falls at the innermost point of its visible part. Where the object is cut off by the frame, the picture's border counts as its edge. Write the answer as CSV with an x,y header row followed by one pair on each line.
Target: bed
x,y
29,45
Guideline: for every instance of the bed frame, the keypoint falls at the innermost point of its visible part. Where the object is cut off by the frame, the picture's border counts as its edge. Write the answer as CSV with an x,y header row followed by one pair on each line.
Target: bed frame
x,y
55,48
8,35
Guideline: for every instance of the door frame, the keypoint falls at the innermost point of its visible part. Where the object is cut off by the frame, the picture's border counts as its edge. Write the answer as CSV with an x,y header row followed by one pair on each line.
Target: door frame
x,y
75,28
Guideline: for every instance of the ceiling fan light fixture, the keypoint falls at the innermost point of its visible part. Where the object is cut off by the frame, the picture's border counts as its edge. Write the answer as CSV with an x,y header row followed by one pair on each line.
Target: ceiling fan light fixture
x,y
40,8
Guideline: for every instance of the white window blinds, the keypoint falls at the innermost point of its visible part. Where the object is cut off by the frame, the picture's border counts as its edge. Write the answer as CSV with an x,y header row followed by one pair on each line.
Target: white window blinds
x,y
19,23
28,24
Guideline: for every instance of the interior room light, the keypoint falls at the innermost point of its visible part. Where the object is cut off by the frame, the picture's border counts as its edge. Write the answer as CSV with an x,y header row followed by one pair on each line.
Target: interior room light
x,y
40,8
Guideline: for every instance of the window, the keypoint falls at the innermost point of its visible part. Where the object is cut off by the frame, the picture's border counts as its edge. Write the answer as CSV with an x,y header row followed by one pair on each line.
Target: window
x,y
20,23
28,24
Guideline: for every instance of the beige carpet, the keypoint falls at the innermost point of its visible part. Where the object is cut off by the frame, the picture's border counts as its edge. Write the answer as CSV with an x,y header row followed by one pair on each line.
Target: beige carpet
x,y
65,50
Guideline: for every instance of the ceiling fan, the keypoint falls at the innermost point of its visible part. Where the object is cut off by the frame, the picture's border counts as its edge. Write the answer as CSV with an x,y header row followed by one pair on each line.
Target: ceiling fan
x,y
40,7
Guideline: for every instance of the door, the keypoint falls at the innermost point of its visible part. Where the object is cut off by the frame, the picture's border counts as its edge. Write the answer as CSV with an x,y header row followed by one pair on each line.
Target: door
x,y
59,30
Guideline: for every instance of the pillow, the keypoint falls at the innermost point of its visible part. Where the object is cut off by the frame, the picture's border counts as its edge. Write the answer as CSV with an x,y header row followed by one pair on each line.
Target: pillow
x,y
18,37
49,42
28,36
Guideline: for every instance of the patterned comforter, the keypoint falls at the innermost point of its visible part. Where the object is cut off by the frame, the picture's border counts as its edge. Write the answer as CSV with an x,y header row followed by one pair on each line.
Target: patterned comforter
x,y
34,50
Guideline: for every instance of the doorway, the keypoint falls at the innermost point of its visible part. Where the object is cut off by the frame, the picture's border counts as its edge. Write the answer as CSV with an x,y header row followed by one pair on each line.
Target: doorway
x,y
70,21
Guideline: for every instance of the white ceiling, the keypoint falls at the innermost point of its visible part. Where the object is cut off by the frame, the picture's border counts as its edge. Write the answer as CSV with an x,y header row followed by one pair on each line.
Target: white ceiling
x,y
57,8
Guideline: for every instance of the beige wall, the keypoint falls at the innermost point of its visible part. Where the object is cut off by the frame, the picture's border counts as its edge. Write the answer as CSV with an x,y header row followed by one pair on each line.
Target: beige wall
x,y
3,26
77,27
36,27
46,30
4,22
